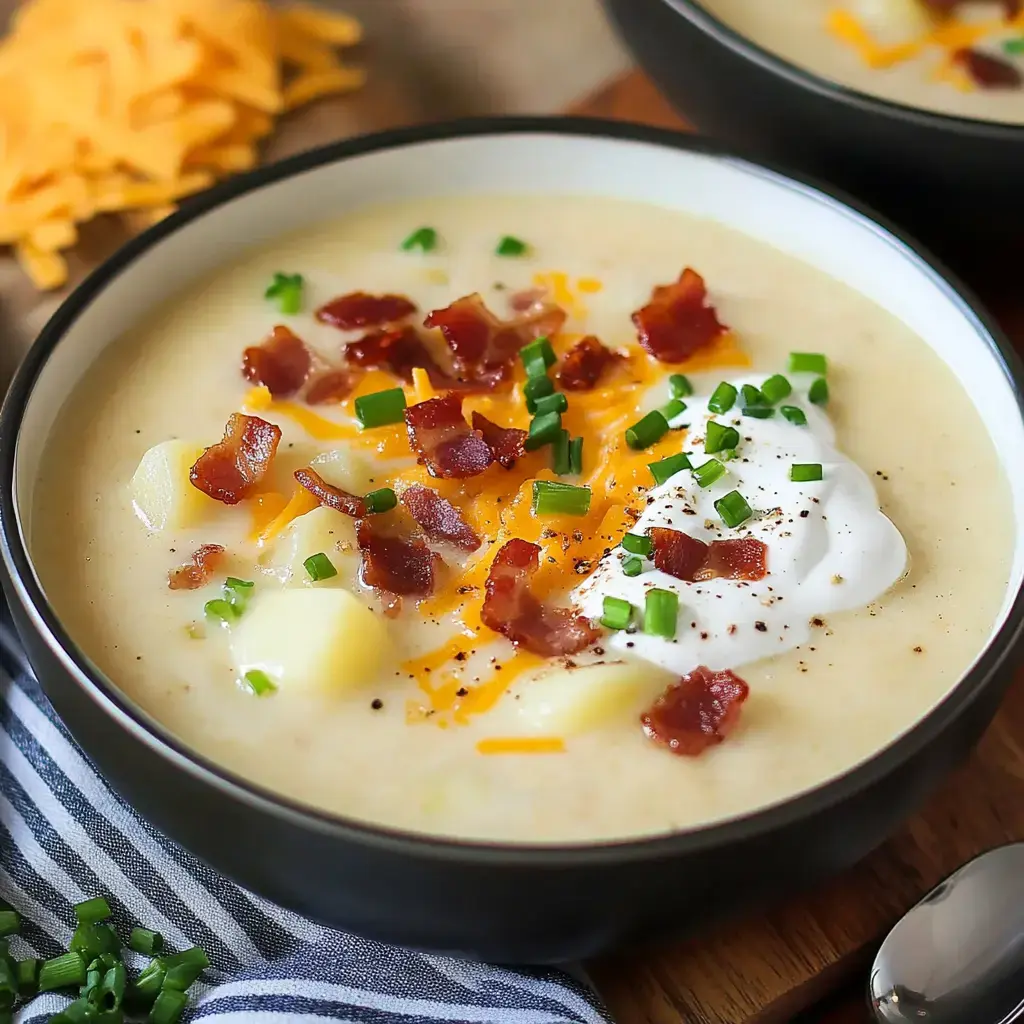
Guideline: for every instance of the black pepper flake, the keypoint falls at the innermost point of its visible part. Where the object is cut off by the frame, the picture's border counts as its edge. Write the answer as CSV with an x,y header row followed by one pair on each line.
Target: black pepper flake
x,y
804,513
465,589
460,656
376,703
760,627
703,635
599,651
817,622
462,692
918,650
629,643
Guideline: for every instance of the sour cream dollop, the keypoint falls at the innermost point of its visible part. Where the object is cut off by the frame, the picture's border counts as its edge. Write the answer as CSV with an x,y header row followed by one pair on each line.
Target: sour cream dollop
x,y
830,548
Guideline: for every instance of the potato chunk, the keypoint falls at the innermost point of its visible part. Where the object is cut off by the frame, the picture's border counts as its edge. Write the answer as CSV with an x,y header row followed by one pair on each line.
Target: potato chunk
x,y
569,701
314,641
324,530
895,21
342,469
162,493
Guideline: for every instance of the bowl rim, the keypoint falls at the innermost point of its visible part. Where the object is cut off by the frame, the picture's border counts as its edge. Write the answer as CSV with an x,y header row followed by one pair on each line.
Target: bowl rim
x,y
15,558
698,15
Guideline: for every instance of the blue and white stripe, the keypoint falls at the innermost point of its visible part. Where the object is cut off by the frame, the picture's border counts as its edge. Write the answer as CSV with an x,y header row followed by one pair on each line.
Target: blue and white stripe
x,y
65,836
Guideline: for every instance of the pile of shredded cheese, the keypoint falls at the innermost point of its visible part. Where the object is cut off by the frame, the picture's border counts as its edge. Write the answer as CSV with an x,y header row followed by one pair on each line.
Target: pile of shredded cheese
x,y
117,105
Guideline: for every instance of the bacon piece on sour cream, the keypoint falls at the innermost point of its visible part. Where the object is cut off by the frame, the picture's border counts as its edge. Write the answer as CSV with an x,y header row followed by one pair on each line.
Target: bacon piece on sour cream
x,y
510,607
440,435
330,496
677,321
233,468
361,309
280,363
330,387
693,561
396,565
696,712
439,518
482,344
198,572
585,363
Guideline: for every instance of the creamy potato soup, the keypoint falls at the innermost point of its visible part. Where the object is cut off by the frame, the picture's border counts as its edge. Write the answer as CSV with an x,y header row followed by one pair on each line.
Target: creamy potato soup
x,y
651,526
963,58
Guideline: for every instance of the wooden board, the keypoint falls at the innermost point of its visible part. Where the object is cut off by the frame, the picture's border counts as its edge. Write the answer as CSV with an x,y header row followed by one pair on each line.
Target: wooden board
x,y
767,969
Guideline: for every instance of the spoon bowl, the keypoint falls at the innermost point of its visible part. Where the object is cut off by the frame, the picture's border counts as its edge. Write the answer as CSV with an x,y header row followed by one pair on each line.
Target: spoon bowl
x,y
958,955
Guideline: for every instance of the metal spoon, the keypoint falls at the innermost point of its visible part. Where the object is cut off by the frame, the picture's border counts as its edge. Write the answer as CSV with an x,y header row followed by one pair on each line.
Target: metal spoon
x,y
958,956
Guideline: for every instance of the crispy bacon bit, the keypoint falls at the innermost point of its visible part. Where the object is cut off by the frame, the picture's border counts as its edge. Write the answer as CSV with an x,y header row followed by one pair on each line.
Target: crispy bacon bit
x,y
584,363
360,309
330,387
440,435
399,350
506,443
677,322
199,571
439,518
1011,7
331,496
693,561
988,71
480,342
281,363
394,565
697,712
231,469
512,610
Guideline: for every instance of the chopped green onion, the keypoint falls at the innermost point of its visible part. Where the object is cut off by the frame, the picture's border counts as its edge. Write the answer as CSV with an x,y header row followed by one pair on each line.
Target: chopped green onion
x,y
551,498
552,403
661,610
632,566
259,683
759,412
794,414
718,438
679,386
10,922
805,472
753,396
1014,46
733,509
670,410
723,398
807,362
93,939
776,388
637,544
237,593
818,392
192,955
27,973
543,430
112,987
61,972
617,613
576,455
727,455
707,473
537,357
380,408
287,289
98,909
424,239
381,500
81,1011
220,610
184,968
647,431
319,567
560,454
144,941
510,246
8,980
666,468
168,1007
535,389
147,985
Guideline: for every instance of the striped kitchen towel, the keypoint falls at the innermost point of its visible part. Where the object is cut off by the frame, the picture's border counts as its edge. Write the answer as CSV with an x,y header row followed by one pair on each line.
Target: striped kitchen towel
x,y
65,836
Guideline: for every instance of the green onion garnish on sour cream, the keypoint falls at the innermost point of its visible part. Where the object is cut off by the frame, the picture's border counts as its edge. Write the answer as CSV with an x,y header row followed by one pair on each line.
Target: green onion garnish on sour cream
x,y
617,613
551,498
806,472
661,609
723,398
807,362
733,509
424,239
319,567
380,408
287,289
259,683
666,468
510,246
646,431
794,414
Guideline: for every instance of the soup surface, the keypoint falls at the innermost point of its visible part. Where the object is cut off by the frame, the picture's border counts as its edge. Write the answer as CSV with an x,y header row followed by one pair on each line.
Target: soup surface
x,y
968,63
841,530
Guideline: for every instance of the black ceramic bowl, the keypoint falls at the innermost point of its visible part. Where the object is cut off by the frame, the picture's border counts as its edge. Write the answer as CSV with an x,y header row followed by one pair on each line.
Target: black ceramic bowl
x,y
954,182
498,902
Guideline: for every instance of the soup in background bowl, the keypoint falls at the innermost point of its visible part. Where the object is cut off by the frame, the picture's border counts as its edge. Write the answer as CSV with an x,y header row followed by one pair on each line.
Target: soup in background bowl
x,y
575,504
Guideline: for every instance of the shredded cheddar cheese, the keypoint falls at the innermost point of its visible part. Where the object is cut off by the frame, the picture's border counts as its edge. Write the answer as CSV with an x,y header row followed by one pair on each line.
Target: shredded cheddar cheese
x,y
116,105
521,745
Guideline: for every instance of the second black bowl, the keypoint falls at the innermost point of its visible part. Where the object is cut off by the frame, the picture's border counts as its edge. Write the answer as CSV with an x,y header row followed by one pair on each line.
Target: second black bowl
x,y
954,182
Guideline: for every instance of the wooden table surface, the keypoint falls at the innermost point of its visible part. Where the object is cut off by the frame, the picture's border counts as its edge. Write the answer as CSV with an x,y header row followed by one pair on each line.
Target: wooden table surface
x,y
634,98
